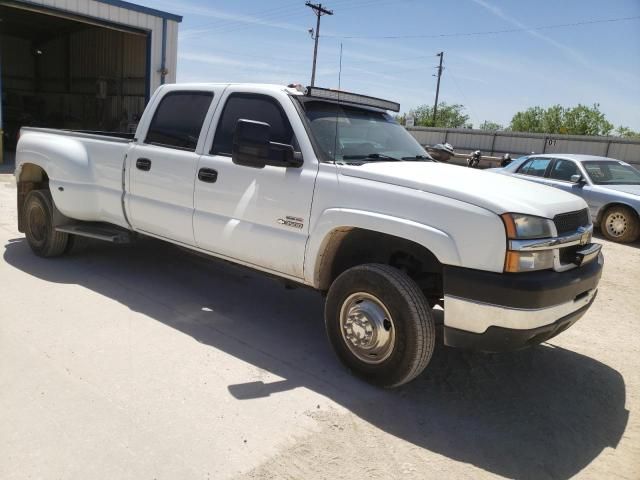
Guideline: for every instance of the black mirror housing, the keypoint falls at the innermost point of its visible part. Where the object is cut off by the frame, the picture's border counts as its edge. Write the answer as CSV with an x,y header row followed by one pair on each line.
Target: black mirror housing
x,y
283,155
252,147
251,143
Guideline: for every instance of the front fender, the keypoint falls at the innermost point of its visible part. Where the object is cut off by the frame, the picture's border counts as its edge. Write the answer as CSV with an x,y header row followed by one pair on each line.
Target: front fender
x,y
335,220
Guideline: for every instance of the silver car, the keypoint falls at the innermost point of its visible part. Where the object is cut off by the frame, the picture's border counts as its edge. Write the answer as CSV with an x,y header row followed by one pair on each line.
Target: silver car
x,y
610,187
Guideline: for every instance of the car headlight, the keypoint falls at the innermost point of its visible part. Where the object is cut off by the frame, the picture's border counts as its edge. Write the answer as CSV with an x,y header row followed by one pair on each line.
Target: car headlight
x,y
527,227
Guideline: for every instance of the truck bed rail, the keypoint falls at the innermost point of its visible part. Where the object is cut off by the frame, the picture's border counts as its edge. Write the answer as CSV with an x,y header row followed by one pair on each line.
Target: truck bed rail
x,y
121,137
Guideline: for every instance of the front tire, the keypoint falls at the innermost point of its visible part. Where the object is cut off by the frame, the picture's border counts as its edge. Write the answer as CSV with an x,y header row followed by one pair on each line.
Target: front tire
x,y
620,224
379,324
42,237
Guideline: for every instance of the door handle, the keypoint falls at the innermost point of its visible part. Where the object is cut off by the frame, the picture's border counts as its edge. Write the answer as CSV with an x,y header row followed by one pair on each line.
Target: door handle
x,y
143,164
207,175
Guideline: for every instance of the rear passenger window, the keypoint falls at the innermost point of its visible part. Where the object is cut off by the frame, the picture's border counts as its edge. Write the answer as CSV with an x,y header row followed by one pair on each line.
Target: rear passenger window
x,y
178,120
535,167
259,108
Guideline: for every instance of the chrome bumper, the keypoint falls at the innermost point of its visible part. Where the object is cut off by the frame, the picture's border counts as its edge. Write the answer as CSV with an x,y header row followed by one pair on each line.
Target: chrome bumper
x,y
477,317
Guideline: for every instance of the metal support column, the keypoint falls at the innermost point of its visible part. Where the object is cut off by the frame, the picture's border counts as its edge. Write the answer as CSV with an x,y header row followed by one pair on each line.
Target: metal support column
x,y
1,128
148,70
606,153
493,142
163,67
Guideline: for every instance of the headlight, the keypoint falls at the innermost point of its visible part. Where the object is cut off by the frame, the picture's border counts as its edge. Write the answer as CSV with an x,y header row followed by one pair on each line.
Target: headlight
x,y
526,227
521,226
528,261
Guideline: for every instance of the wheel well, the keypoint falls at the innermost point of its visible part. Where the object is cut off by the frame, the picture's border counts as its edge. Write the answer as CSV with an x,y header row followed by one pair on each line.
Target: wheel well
x,y
614,204
349,247
32,177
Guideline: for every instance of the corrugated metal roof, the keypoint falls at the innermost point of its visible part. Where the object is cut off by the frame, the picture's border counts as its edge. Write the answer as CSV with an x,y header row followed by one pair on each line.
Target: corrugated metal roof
x,y
80,8
141,9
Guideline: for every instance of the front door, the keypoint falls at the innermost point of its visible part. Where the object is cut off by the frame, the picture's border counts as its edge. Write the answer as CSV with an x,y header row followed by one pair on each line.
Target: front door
x,y
560,177
259,216
163,167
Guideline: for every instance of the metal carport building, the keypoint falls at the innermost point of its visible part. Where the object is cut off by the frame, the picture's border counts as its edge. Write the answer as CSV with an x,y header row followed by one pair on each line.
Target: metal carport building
x,y
81,64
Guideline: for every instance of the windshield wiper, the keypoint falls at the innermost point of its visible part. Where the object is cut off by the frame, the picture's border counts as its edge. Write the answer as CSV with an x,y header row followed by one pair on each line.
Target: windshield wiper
x,y
417,157
372,156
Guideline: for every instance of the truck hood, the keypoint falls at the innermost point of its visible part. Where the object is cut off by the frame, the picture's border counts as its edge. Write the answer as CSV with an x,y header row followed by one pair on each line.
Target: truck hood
x,y
497,193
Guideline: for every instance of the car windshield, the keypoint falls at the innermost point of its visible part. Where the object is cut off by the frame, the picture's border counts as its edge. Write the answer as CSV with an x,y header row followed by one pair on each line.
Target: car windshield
x,y
349,134
608,172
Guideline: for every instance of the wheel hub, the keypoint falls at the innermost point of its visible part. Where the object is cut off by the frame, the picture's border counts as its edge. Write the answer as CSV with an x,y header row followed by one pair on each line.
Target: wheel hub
x,y
367,328
37,224
616,224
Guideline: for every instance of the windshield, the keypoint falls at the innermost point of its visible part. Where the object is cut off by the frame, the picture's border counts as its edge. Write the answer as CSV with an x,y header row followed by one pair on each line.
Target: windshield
x,y
607,172
355,135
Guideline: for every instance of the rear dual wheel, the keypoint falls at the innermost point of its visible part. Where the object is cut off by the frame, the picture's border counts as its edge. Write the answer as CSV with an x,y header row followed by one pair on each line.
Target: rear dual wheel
x,y
43,238
379,324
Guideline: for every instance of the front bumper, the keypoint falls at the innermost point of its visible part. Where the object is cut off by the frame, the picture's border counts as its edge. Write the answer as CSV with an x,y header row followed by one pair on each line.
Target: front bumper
x,y
498,312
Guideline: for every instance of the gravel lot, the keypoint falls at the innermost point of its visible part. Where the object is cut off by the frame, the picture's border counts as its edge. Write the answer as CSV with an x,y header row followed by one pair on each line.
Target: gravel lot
x,y
146,361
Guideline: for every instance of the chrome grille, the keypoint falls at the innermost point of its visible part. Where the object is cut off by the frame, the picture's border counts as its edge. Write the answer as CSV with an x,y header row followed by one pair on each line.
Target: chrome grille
x,y
569,222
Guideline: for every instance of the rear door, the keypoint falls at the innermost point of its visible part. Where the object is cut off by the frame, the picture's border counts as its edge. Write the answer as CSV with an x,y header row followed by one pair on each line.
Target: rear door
x,y
163,165
535,169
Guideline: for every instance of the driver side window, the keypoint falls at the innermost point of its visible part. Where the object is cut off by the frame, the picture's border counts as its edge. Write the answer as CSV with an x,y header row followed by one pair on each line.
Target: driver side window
x,y
261,108
563,170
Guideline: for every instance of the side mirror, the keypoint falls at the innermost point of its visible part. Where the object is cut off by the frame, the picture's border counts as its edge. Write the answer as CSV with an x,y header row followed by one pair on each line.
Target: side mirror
x,y
252,147
577,178
251,143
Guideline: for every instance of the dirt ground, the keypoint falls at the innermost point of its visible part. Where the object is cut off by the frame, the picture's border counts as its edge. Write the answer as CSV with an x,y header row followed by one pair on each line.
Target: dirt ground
x,y
145,361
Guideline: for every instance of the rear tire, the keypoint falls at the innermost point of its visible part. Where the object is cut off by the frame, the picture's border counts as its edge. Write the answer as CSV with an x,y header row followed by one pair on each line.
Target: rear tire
x,y
379,324
620,224
43,239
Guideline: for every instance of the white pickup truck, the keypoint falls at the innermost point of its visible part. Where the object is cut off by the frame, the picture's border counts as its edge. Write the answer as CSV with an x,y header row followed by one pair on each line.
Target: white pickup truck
x,y
325,189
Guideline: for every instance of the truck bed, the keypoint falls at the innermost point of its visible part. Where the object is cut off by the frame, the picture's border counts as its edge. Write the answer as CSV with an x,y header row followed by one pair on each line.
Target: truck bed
x,y
84,170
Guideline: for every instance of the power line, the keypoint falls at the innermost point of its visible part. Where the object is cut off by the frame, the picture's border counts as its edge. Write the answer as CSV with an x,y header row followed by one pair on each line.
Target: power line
x,y
273,15
464,98
262,14
491,32
319,10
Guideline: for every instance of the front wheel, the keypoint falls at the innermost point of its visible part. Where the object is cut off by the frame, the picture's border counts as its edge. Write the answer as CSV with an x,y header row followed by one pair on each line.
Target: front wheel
x,y
620,224
379,324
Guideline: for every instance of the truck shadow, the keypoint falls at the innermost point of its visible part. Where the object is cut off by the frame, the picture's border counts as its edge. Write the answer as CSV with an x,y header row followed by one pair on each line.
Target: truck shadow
x,y
544,412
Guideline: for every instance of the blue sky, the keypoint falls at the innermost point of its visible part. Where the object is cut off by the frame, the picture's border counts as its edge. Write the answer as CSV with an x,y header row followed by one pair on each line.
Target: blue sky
x,y
492,75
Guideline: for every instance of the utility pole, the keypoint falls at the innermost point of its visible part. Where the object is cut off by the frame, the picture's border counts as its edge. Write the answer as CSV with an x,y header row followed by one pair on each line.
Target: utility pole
x,y
435,105
319,11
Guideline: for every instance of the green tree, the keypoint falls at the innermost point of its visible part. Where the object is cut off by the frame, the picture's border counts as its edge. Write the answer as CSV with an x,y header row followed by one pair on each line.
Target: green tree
x,y
448,116
491,126
529,120
553,118
626,132
583,120
579,120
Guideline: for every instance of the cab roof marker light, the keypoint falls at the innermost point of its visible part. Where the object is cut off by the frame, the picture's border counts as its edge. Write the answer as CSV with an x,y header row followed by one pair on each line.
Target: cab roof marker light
x,y
328,94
